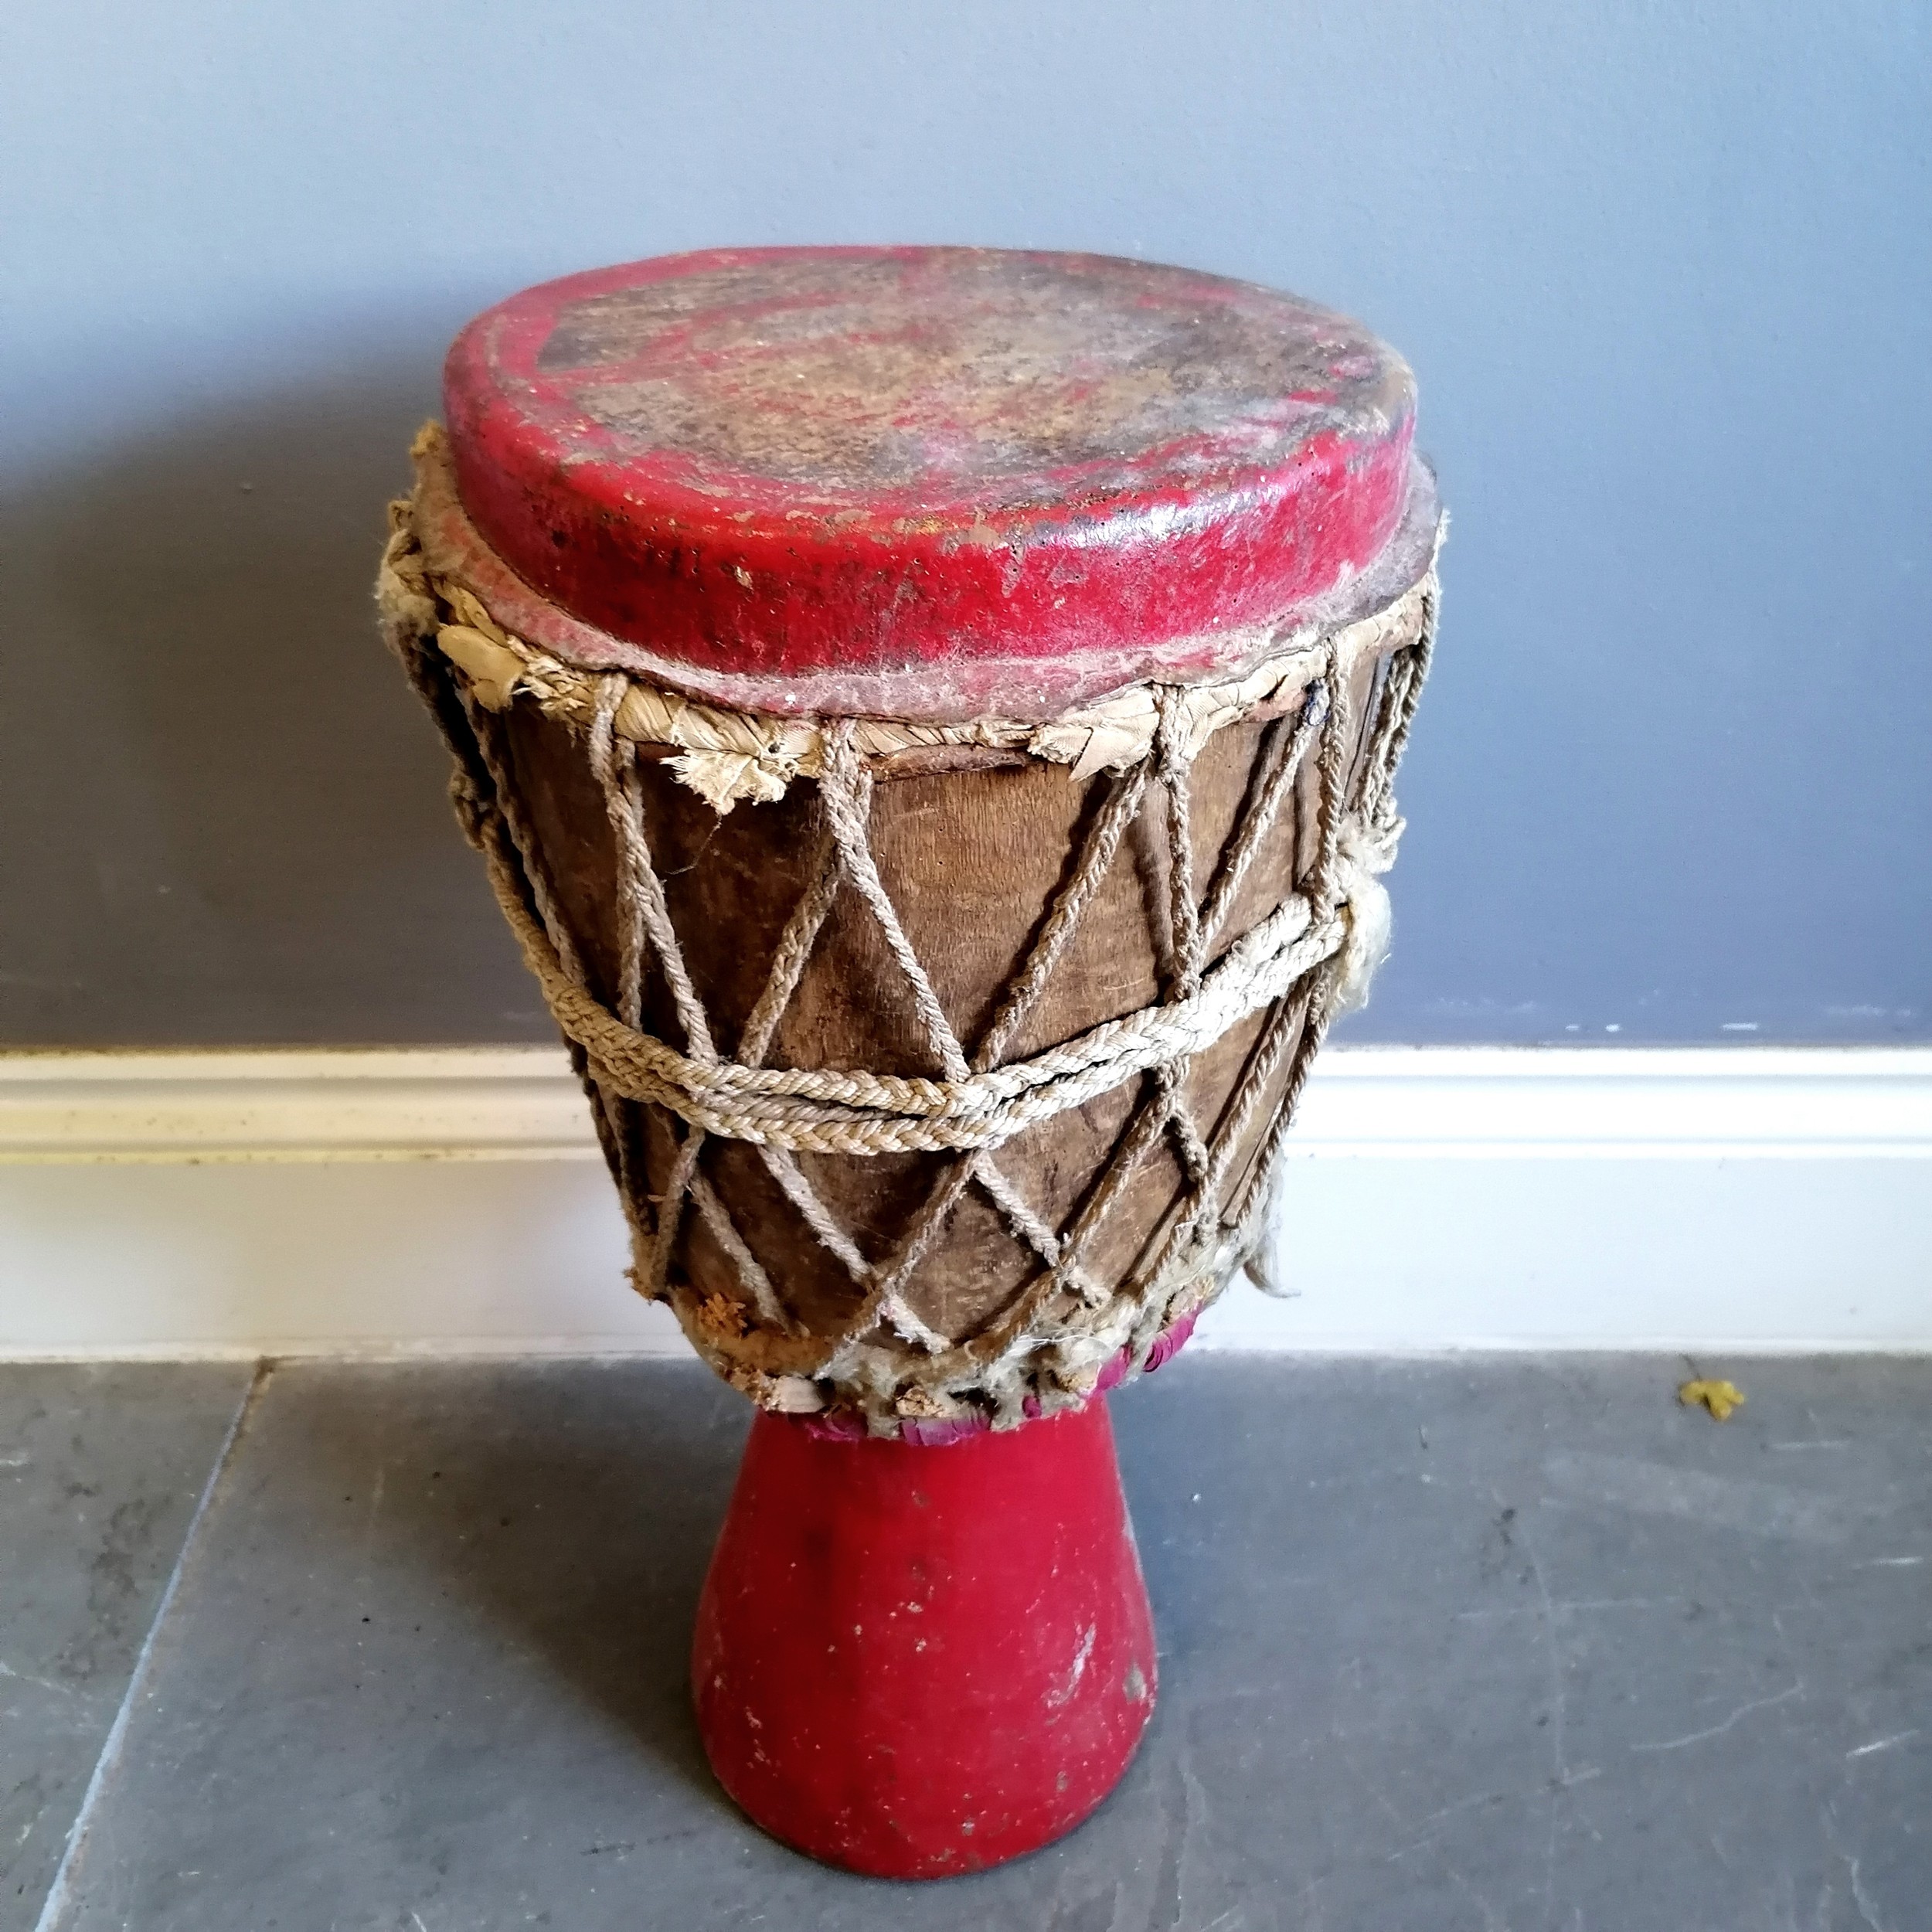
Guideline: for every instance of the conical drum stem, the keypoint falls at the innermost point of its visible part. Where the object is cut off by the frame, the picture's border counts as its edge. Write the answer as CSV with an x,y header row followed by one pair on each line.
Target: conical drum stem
x,y
914,1662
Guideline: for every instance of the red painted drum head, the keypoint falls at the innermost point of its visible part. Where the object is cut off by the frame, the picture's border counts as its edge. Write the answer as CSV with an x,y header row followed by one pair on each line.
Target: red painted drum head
x,y
926,482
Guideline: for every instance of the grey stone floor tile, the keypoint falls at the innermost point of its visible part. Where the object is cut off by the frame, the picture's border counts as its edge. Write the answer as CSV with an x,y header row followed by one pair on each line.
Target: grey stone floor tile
x,y
1471,1645
100,1469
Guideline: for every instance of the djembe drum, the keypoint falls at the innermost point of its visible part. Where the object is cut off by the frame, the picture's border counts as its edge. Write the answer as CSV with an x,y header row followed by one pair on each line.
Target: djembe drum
x,y
928,715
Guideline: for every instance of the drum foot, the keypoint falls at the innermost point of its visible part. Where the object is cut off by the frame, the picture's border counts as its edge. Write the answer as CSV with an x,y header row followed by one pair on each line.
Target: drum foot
x,y
914,1662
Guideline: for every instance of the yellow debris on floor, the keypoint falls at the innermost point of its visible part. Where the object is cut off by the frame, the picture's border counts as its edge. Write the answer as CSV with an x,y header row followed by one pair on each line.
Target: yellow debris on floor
x,y
1720,1398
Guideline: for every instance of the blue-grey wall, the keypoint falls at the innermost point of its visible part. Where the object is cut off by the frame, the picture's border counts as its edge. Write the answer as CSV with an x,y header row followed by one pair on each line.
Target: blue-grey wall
x,y
1664,271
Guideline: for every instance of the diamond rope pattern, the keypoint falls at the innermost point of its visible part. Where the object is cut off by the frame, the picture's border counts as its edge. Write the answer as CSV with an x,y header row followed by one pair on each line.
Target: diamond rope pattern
x,y
1210,1230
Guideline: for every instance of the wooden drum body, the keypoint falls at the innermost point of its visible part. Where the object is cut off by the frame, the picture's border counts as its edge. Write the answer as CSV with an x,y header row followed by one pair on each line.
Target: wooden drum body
x,y
930,715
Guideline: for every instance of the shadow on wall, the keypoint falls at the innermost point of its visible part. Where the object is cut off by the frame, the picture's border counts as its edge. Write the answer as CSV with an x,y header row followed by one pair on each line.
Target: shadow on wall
x,y
226,818
226,822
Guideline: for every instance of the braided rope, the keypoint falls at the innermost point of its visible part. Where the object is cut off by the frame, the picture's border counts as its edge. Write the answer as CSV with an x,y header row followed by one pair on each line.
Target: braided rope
x,y
830,1110
1302,962
846,789
1282,764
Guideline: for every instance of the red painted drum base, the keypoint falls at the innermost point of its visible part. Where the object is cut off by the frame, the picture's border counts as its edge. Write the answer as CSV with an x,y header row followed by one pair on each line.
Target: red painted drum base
x,y
914,1662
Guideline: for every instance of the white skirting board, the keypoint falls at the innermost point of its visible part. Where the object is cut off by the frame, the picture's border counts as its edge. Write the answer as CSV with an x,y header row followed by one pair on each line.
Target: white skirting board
x,y
453,1202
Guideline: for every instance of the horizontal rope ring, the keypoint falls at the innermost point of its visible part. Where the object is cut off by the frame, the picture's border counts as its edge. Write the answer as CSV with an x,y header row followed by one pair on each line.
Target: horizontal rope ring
x,y
828,1110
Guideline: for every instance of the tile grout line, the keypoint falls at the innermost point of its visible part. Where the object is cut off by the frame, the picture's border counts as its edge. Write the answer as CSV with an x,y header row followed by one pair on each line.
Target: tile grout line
x,y
57,1891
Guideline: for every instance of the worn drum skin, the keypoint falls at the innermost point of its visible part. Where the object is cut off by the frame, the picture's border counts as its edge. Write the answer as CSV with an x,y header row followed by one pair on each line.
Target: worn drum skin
x,y
1099,594
945,481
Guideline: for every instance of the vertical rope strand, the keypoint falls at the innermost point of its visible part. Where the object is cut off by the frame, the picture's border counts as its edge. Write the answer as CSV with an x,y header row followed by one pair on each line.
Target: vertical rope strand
x,y
1259,821
1096,857
1335,745
846,788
